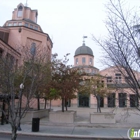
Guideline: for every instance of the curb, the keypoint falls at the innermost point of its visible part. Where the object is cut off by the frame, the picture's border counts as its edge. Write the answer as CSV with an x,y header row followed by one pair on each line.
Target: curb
x,y
116,125
64,135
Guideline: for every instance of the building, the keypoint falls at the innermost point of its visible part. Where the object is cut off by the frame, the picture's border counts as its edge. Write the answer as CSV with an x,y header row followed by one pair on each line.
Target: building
x,y
121,96
22,35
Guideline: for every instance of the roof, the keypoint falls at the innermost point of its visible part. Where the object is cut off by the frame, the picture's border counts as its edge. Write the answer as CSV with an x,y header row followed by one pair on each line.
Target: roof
x,y
28,20
25,19
83,50
85,66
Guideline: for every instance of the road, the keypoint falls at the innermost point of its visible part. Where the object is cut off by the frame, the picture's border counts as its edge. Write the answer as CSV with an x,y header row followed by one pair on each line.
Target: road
x,y
23,137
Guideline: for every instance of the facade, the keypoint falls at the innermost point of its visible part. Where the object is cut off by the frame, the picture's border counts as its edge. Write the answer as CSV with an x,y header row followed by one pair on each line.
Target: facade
x,y
123,95
21,35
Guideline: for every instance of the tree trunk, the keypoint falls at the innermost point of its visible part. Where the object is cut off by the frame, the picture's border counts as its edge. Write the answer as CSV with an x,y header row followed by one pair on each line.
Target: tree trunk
x,y
38,103
50,104
98,103
99,108
45,103
3,115
14,133
66,105
63,104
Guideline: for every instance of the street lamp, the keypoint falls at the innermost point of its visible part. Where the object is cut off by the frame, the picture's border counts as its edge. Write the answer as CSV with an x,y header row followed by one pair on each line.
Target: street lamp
x,y
20,101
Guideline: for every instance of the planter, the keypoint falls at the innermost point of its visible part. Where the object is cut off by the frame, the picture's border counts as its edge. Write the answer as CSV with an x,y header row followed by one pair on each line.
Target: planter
x,y
75,112
35,114
62,117
103,117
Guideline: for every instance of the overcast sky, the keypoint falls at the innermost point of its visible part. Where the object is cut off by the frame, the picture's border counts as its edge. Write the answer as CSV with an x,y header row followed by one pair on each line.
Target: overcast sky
x,y
66,21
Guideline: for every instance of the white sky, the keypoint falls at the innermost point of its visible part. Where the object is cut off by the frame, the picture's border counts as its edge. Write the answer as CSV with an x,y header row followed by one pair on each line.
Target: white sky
x,y
66,21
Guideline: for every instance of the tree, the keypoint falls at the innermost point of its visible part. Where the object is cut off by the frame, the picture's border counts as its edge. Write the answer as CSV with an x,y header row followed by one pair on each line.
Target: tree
x,y
42,67
96,86
18,81
121,45
10,80
65,80
44,70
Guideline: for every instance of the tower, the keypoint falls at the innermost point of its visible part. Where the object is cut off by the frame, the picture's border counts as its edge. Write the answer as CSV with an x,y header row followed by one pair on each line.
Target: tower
x,y
84,58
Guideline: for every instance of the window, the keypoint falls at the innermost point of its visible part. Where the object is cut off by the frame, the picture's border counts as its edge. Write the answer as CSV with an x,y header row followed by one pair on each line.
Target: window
x,y
1,52
127,78
76,61
15,24
109,79
31,26
36,28
90,61
10,24
16,65
20,23
33,49
26,24
118,78
83,60
20,11
102,83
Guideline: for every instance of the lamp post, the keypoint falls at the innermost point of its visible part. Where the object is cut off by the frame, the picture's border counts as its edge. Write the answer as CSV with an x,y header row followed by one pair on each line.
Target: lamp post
x,y
20,101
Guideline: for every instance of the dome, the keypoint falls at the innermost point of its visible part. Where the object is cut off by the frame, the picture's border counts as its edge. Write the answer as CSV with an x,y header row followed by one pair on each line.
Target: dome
x,y
83,50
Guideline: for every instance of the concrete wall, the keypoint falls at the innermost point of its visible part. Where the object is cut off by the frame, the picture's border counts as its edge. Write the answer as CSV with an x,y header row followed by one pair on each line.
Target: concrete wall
x,y
103,117
35,114
62,117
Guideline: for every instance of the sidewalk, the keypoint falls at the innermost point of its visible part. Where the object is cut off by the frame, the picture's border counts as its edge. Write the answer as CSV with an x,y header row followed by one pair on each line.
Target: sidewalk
x,y
81,128
70,131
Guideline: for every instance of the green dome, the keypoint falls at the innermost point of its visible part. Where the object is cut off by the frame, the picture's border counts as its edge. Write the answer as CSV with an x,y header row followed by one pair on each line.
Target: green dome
x,y
83,50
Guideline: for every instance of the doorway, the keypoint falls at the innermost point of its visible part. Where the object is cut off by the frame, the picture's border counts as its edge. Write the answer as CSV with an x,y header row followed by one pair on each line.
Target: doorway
x,y
83,100
133,100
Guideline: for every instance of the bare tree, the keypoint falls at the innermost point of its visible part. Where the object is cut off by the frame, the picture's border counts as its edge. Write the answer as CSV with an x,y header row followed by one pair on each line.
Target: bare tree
x,y
41,57
18,81
121,45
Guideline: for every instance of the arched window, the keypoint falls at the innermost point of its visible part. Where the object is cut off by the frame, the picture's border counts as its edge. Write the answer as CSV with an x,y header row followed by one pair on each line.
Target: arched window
x,y
33,49
20,11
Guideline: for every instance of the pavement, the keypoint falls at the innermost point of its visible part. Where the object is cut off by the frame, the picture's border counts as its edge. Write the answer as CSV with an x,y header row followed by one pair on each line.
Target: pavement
x,y
82,128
